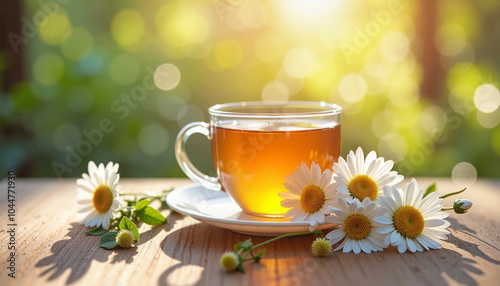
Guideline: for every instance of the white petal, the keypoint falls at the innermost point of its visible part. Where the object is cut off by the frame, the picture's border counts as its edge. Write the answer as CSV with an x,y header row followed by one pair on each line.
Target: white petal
x,y
385,229
434,222
411,244
383,220
335,236
355,246
396,238
347,245
287,203
288,195
402,247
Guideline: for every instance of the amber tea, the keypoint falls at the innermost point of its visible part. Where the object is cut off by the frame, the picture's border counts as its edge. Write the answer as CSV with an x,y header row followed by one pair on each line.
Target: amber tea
x,y
253,164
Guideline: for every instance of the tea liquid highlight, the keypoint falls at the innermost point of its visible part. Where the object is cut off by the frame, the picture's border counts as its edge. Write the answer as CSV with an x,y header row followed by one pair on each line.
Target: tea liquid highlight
x,y
252,164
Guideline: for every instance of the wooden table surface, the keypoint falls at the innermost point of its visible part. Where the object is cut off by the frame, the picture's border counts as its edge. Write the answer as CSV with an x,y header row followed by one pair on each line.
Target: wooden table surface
x,y
53,249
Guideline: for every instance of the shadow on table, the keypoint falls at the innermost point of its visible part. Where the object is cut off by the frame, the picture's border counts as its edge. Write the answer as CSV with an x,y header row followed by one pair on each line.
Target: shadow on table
x,y
76,253
200,246
194,247
187,245
471,246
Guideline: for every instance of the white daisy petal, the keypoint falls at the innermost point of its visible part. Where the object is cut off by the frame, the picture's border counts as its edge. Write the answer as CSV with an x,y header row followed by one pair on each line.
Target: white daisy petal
x,y
347,245
355,246
289,203
335,236
402,247
411,244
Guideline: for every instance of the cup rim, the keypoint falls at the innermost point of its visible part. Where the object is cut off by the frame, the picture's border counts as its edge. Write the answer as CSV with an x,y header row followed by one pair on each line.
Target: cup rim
x,y
329,109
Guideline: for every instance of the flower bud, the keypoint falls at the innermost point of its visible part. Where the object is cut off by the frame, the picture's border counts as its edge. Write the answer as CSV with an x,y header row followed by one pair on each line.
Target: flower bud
x,y
321,247
461,206
125,238
229,261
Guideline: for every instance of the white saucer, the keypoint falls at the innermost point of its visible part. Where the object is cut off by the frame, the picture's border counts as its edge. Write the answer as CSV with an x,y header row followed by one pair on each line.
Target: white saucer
x,y
218,209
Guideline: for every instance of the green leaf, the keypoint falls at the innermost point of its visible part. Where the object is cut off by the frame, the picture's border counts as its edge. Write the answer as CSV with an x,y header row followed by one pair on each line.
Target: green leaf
x,y
97,231
245,245
430,189
261,253
150,216
126,223
108,240
142,204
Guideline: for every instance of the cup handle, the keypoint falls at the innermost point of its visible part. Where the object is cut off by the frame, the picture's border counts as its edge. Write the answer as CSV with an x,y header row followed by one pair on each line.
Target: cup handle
x,y
182,158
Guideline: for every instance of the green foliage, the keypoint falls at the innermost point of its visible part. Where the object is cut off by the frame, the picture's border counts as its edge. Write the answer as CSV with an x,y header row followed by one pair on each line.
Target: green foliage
x,y
95,78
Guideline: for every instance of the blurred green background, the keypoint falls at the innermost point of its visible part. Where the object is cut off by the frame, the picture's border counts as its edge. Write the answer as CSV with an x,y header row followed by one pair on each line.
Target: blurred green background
x,y
115,81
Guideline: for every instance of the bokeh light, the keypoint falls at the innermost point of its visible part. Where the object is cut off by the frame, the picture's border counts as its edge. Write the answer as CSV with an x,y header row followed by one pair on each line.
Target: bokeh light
x,y
56,29
275,91
167,76
352,88
418,89
487,98
48,69
299,63
128,28
464,175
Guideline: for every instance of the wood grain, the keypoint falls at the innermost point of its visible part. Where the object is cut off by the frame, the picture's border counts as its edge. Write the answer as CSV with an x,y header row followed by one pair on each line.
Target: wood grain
x,y
53,249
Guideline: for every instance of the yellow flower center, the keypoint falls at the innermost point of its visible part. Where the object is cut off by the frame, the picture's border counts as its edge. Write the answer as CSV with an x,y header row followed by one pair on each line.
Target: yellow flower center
x,y
312,199
103,198
362,186
357,226
229,261
321,247
408,221
125,238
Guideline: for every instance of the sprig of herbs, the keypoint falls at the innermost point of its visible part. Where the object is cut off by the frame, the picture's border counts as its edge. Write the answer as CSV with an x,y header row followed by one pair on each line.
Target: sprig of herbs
x,y
137,209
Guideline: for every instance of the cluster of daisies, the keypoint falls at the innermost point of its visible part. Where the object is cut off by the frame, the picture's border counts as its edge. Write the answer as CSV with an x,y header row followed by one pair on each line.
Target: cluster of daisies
x,y
361,195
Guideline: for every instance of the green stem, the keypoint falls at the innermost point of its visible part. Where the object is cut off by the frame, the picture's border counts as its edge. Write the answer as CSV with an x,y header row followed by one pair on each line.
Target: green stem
x,y
447,209
141,194
451,194
282,236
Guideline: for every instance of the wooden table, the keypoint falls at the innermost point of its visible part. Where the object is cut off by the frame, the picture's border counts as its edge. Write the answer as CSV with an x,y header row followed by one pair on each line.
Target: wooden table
x,y
52,248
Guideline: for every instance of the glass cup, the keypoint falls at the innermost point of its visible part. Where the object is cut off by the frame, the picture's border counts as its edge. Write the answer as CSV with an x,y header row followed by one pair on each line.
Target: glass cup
x,y
255,145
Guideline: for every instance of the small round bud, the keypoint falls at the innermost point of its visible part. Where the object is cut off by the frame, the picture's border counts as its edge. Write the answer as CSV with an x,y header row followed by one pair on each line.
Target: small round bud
x,y
321,247
125,238
229,261
461,206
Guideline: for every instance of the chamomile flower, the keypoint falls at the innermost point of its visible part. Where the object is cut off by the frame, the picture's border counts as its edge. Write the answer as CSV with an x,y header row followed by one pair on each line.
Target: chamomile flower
x,y
97,193
360,178
310,194
357,226
412,222
229,261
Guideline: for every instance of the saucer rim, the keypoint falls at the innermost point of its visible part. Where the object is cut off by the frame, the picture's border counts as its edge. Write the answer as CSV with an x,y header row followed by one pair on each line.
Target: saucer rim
x,y
228,222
